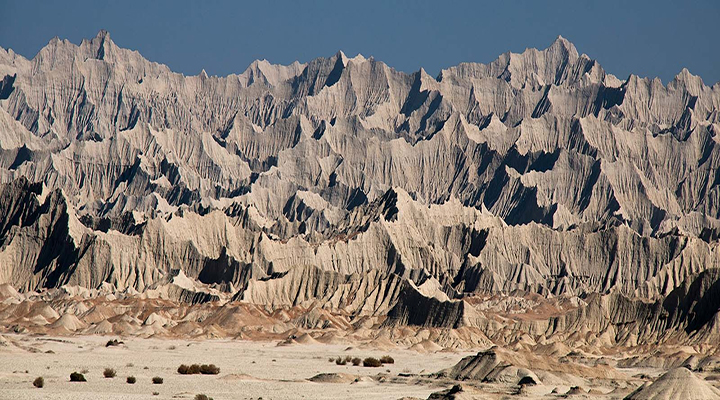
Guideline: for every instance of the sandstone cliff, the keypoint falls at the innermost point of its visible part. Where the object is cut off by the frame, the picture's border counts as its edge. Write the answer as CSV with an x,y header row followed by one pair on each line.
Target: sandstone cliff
x,y
347,185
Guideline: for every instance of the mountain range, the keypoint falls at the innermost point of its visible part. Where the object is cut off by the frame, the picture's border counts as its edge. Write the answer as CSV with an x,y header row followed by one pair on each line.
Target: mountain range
x,y
345,185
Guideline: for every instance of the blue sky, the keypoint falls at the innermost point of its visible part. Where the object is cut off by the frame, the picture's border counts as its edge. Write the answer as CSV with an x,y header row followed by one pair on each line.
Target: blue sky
x,y
648,38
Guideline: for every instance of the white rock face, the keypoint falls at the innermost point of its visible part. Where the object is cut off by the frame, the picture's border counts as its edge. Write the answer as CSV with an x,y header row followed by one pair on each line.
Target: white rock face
x,y
678,383
340,179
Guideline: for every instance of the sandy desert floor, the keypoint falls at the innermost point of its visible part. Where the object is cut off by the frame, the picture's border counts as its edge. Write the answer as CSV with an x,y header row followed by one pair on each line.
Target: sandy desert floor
x,y
273,370
248,370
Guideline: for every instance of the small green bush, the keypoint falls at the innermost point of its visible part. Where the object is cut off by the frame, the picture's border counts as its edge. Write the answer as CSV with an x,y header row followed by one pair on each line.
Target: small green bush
x,y
157,380
387,360
77,377
202,397
109,373
131,380
372,362
39,382
356,361
183,369
340,361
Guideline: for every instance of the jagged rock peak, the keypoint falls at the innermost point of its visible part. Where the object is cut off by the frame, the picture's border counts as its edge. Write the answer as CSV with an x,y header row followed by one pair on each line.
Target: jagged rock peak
x,y
563,45
537,173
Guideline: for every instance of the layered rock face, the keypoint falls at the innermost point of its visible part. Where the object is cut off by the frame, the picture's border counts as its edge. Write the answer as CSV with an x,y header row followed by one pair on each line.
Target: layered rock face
x,y
347,184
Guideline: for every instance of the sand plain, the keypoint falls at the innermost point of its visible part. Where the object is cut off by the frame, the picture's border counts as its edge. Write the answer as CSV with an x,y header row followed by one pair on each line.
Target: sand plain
x,y
300,369
248,369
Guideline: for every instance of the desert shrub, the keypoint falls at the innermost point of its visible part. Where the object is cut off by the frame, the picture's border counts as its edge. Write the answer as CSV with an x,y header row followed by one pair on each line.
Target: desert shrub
x,y
340,361
156,393
356,361
371,362
39,382
194,369
77,377
131,380
157,380
331,359
109,373
113,342
202,397
387,360
348,359
209,369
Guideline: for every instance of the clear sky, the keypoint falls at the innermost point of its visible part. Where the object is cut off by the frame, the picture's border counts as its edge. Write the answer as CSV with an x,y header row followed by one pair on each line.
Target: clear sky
x,y
646,37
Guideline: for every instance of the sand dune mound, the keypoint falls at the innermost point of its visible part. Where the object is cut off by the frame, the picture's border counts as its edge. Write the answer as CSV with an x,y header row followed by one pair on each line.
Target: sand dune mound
x,y
47,312
556,349
39,320
101,328
68,322
79,308
241,377
99,313
305,338
493,365
151,330
426,346
154,318
125,318
298,338
380,343
678,383
333,377
187,328
331,338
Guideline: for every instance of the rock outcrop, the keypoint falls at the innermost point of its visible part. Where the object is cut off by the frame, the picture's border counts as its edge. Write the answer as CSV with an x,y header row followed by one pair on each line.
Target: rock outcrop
x,y
678,383
345,185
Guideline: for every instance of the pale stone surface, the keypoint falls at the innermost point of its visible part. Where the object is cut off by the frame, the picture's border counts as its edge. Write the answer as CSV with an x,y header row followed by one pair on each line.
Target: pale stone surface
x,y
533,200
678,383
